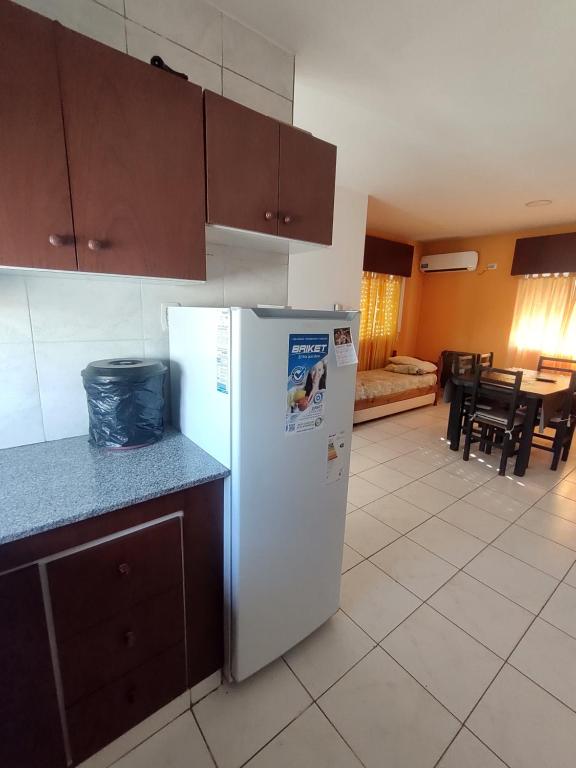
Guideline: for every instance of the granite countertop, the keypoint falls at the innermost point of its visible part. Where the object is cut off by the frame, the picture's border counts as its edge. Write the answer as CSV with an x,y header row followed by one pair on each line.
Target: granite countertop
x,y
47,485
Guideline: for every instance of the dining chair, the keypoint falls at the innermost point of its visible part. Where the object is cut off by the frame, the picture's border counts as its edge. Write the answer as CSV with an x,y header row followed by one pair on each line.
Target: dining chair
x,y
548,364
485,359
563,423
494,418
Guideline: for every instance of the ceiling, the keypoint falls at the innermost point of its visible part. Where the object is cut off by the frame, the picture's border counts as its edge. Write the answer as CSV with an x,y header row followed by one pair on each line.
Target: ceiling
x,y
452,114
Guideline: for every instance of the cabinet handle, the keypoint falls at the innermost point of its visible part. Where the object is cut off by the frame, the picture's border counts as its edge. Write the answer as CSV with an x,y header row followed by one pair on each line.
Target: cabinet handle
x,y
130,638
268,215
124,569
58,241
287,219
96,245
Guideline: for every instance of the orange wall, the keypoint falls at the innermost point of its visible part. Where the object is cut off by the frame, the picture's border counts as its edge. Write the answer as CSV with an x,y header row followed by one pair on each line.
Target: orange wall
x,y
471,311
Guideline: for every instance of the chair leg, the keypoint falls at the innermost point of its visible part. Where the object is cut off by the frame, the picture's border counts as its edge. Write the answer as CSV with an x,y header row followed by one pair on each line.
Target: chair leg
x,y
483,436
557,447
489,443
506,443
468,441
567,446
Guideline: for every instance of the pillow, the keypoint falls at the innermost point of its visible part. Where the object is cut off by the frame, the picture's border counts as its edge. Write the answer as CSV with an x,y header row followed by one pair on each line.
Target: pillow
x,y
399,368
423,365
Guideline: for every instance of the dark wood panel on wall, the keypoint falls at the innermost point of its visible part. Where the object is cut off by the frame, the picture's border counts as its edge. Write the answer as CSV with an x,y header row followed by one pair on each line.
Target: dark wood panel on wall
x,y
548,253
35,214
387,256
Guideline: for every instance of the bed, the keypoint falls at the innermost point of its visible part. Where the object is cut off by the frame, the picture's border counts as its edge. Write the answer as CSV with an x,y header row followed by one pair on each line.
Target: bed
x,y
382,393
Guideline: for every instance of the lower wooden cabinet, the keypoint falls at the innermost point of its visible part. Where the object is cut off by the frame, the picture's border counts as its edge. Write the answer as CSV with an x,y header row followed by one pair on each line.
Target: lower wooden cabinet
x,y
131,612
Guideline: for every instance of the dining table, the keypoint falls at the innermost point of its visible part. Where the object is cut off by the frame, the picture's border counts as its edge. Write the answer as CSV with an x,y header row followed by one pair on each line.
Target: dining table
x,y
540,395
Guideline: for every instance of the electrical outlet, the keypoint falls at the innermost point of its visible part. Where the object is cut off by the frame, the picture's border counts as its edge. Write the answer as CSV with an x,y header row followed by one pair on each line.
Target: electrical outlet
x,y
164,313
491,266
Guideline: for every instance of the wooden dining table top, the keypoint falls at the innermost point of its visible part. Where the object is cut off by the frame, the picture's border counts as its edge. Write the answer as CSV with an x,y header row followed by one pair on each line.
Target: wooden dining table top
x,y
530,387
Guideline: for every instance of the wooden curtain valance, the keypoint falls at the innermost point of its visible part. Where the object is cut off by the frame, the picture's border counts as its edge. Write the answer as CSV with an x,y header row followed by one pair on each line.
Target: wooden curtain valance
x,y
387,256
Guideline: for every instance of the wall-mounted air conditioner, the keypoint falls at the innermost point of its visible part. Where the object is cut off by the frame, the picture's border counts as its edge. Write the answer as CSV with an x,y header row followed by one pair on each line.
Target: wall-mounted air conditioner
x,y
462,261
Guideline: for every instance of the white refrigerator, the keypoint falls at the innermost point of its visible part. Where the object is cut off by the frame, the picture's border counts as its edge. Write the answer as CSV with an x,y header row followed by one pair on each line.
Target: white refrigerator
x,y
270,394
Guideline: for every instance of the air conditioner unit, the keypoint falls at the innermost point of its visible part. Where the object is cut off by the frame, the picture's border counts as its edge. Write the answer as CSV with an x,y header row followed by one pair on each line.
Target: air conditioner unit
x,y
462,261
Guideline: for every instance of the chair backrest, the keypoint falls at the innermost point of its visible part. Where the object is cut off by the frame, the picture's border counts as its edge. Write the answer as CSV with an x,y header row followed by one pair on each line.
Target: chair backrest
x,y
558,364
568,406
497,387
485,359
463,363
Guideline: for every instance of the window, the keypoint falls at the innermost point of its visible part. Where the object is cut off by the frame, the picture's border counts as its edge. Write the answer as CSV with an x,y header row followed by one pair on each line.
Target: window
x,y
544,318
380,302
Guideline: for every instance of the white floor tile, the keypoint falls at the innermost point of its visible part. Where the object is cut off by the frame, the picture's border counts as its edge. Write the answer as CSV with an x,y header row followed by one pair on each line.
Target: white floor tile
x,y
309,742
350,508
450,664
455,486
321,659
491,618
397,513
558,505
474,520
524,725
518,488
550,526
548,656
425,497
400,444
446,541
535,550
374,601
433,457
560,610
570,577
358,441
377,451
497,503
386,717
567,489
178,745
512,578
239,719
350,558
386,478
361,492
359,463
414,567
367,535
466,751
410,466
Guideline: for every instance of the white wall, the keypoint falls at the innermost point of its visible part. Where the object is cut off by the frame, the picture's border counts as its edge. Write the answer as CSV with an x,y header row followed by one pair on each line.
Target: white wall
x,y
322,277
53,324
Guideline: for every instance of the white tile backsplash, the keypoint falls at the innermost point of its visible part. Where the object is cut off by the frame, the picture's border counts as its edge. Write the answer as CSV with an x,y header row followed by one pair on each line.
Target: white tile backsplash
x,y
249,54
144,44
192,23
256,97
20,414
14,314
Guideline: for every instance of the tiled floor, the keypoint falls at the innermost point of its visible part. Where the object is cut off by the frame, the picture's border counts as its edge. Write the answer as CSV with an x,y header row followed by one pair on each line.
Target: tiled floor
x,y
455,645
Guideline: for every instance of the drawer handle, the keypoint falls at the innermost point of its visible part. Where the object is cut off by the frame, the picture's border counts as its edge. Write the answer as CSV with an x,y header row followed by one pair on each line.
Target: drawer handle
x,y
124,569
268,215
97,245
130,639
287,219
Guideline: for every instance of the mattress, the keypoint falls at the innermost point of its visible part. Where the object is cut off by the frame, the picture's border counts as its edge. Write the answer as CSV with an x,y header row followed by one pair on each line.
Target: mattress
x,y
379,383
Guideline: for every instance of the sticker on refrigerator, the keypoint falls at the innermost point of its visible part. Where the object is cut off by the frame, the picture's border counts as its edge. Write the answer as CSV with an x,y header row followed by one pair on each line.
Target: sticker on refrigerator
x,y
344,347
335,456
307,380
223,353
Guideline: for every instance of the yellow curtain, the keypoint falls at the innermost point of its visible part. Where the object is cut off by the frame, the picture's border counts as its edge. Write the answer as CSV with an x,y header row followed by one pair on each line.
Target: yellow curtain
x,y
544,319
379,304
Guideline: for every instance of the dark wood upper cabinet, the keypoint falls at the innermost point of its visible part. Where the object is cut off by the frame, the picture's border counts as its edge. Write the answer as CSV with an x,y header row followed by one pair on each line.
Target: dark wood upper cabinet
x,y
34,191
241,166
30,728
306,187
134,137
264,176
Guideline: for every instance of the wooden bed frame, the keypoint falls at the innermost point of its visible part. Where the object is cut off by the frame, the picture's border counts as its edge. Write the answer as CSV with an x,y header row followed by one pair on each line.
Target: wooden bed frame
x,y
387,405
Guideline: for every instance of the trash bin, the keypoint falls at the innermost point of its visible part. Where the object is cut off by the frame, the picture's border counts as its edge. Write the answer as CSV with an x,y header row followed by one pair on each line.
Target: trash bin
x,y
125,402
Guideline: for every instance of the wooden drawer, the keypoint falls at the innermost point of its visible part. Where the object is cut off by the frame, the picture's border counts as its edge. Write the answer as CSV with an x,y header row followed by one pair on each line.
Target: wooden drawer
x,y
102,581
104,653
100,718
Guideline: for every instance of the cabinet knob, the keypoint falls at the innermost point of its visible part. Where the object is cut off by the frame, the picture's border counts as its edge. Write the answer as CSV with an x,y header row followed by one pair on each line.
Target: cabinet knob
x,y
287,219
124,569
268,215
96,245
130,639
58,240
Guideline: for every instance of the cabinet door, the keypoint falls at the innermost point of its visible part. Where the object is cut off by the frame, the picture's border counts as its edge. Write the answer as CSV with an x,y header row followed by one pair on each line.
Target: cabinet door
x,y
306,188
34,191
241,166
30,728
134,137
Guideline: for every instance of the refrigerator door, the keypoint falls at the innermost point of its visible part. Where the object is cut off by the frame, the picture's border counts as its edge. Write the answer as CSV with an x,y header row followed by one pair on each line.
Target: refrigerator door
x,y
288,488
